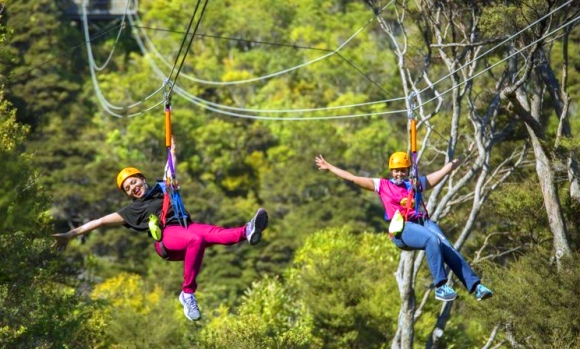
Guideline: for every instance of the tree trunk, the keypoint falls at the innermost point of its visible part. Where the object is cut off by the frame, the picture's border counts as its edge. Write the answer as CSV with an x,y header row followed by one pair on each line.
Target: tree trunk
x,y
551,198
405,331
531,113
560,101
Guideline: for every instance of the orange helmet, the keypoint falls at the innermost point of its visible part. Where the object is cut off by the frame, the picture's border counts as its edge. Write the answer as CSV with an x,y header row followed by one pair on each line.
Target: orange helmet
x,y
399,160
126,173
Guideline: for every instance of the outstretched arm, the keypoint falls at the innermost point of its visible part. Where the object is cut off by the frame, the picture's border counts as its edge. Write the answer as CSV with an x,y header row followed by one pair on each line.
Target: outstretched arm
x,y
434,178
62,239
363,182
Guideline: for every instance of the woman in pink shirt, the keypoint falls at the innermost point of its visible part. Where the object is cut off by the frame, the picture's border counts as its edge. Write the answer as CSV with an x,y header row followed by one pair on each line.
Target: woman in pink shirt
x,y
419,232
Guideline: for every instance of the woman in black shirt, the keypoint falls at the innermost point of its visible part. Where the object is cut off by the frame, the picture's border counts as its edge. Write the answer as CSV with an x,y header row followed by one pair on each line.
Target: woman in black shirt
x,y
178,243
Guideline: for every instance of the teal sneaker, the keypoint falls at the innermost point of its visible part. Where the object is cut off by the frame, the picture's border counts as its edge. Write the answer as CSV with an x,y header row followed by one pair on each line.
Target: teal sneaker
x,y
445,293
190,307
256,225
482,292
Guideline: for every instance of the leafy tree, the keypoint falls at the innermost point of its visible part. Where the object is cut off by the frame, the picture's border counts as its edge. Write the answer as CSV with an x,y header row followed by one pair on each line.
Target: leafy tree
x,y
38,301
538,74
228,166
354,273
44,79
534,285
138,316
270,316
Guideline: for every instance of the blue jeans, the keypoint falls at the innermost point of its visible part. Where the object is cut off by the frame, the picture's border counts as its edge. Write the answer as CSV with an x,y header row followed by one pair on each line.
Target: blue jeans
x,y
438,250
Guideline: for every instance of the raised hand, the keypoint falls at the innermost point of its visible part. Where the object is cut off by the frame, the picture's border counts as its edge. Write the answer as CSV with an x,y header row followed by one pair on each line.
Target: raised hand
x,y
321,163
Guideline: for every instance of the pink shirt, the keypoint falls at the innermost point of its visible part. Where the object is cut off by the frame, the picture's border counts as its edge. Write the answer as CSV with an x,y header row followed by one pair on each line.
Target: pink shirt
x,y
391,195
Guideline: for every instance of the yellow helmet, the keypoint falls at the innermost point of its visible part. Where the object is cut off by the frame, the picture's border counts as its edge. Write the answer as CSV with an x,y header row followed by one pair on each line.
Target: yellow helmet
x,y
126,173
399,160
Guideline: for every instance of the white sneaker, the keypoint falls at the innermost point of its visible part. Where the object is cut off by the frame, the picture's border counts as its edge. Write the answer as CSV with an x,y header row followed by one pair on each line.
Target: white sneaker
x,y
190,307
256,225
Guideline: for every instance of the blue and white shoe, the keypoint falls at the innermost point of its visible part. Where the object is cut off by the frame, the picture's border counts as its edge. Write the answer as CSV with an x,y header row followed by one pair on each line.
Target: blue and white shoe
x,y
445,293
482,292
256,225
190,307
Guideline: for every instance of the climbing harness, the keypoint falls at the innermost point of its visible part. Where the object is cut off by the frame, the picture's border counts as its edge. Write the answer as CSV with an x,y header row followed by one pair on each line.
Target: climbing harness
x,y
169,185
171,193
414,198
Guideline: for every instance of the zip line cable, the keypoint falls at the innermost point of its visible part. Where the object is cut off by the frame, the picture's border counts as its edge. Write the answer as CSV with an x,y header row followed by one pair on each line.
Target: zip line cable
x,y
182,43
510,37
229,38
122,26
189,77
102,100
505,59
401,98
146,53
211,106
268,76
312,109
189,44
157,53
196,102
489,68
199,102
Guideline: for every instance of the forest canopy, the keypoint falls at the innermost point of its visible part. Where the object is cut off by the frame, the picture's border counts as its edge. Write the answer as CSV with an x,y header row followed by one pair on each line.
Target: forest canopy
x,y
258,89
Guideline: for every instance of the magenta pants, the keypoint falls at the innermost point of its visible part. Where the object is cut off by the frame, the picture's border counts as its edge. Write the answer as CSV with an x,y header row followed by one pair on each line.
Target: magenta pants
x,y
188,245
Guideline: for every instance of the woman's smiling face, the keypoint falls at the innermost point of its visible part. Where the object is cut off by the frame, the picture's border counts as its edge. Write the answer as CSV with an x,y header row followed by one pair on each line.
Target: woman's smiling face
x,y
399,174
135,186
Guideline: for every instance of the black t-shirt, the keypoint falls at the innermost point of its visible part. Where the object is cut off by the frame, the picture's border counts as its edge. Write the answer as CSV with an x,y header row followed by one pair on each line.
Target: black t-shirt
x,y
136,215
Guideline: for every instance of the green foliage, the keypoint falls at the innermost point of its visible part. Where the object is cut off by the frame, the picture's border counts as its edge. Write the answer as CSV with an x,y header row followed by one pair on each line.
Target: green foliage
x,y
20,203
514,219
42,81
340,291
533,285
37,310
136,315
346,282
270,316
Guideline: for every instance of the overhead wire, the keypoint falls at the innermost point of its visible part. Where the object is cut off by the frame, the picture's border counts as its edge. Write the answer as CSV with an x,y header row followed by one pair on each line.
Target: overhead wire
x,y
398,111
212,106
267,76
107,106
510,37
152,62
158,54
182,44
336,51
297,110
121,27
198,99
199,102
189,45
503,60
